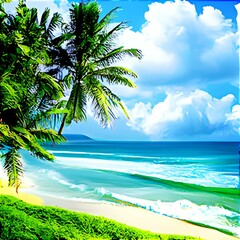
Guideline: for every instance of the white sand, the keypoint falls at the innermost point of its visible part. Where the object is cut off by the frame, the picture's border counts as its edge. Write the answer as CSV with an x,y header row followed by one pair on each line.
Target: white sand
x,y
140,218
29,198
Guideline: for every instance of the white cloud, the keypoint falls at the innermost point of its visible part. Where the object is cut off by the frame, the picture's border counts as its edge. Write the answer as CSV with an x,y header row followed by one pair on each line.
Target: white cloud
x,y
237,6
185,115
214,19
235,114
180,46
164,21
222,48
233,118
137,114
128,93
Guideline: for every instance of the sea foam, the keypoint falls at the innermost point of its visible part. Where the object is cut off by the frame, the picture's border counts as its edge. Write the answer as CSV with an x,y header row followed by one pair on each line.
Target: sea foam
x,y
183,209
183,173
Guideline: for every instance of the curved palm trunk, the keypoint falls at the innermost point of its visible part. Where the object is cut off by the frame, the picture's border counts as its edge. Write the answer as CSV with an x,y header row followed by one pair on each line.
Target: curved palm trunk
x,y
62,125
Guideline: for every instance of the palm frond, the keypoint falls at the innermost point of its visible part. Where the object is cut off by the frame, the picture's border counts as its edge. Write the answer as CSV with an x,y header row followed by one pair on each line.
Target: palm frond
x,y
49,85
47,135
4,132
117,55
32,145
115,101
106,41
55,22
13,166
10,137
77,104
44,17
115,75
107,19
68,81
102,104
9,97
32,17
60,55
105,103
51,118
58,41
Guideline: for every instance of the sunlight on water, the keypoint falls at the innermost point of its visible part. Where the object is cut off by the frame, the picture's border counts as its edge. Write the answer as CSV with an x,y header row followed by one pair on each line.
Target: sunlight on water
x,y
197,183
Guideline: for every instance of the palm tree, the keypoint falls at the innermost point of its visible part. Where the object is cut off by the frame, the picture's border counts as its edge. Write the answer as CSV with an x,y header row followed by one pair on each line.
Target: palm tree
x,y
88,57
32,78
28,95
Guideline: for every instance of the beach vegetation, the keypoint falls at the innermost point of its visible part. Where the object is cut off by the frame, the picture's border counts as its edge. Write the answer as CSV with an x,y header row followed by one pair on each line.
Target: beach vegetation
x,y
28,92
37,69
19,220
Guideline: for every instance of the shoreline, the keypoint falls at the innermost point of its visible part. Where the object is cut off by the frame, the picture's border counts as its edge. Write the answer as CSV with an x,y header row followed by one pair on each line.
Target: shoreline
x,y
25,196
131,216
139,218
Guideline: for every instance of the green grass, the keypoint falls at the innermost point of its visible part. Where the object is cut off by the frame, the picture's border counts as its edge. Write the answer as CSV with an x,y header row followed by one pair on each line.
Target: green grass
x,y
19,220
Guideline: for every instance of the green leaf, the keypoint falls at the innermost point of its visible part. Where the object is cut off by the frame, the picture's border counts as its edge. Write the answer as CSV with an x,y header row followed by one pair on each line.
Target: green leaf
x,y
25,49
13,166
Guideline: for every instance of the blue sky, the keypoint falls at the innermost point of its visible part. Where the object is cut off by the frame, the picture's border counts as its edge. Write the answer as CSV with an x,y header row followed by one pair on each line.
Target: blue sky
x,y
188,85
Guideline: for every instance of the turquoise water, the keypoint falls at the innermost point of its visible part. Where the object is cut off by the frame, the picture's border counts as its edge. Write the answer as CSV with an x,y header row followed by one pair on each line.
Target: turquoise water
x,y
197,181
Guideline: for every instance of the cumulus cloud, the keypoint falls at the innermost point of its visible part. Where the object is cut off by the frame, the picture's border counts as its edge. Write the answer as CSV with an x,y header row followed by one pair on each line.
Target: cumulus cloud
x,y
182,49
237,6
185,115
181,46
129,93
233,118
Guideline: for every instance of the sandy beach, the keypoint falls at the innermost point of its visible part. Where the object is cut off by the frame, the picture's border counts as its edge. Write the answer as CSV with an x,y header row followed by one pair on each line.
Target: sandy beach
x,y
140,218
27,197
132,216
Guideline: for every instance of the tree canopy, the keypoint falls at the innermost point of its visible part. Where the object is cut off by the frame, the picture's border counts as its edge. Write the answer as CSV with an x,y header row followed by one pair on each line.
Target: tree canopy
x,y
37,69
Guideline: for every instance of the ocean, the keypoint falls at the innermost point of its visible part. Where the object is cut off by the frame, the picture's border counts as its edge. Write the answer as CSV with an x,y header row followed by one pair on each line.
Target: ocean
x,y
195,181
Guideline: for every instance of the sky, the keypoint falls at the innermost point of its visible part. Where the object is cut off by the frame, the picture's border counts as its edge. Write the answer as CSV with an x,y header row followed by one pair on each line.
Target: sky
x,y
188,78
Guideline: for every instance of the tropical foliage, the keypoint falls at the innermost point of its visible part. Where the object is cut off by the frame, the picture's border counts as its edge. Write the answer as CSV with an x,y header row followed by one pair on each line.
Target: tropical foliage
x,y
28,94
37,69
22,221
89,57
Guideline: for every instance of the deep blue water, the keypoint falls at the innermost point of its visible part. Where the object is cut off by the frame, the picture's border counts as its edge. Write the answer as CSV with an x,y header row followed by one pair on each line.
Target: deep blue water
x,y
197,181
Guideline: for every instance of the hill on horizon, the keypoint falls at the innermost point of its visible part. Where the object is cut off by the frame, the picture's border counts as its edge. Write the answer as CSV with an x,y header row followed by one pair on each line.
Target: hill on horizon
x,y
77,137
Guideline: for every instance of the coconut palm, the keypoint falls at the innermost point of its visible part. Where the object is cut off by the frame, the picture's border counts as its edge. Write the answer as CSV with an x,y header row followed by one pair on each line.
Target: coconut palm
x,y
90,56
35,69
28,95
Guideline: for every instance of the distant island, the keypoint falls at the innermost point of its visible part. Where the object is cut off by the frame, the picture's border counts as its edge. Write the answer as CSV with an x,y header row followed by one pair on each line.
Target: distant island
x,y
77,137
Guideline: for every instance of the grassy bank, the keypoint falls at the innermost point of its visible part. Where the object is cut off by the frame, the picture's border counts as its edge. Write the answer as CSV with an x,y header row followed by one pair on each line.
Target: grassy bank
x,y
20,220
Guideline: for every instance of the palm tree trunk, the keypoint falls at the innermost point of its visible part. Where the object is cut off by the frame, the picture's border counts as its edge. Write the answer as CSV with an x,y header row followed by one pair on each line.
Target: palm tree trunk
x,y
62,125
